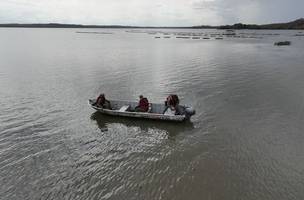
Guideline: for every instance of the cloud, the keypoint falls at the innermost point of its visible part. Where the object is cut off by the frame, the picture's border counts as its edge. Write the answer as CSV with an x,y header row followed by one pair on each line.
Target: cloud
x,y
151,13
252,11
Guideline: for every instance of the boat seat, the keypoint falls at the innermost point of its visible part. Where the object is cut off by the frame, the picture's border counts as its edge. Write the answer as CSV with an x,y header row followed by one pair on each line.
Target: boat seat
x,y
150,108
124,108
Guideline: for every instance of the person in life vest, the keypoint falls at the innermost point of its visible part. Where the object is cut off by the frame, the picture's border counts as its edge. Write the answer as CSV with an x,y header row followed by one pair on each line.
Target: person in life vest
x,y
172,105
172,100
143,104
102,102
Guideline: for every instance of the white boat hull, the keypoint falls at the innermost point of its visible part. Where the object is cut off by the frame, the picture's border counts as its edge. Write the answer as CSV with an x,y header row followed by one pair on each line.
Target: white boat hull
x,y
155,114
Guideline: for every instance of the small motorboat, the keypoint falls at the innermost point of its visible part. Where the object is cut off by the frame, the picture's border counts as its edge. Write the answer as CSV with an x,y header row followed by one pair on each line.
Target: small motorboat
x,y
283,43
156,111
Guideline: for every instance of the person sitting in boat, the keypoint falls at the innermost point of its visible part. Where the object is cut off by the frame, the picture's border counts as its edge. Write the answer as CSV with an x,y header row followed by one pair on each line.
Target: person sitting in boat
x,y
102,102
172,105
143,104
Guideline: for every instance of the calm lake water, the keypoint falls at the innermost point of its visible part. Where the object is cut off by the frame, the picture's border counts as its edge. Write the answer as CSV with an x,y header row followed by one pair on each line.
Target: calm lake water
x,y
245,142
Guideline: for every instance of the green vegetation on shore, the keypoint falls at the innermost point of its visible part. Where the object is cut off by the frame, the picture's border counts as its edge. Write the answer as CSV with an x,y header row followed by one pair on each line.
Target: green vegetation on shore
x,y
297,24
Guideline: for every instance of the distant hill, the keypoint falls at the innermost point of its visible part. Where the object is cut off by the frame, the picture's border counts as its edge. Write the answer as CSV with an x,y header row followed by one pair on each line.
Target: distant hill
x,y
297,24
57,25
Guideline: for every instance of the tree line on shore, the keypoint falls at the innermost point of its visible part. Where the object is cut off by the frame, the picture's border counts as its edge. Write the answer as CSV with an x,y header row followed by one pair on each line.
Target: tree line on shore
x,y
297,24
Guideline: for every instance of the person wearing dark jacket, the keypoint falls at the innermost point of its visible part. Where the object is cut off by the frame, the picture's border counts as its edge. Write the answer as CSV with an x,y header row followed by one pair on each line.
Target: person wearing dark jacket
x,y
172,100
143,104
102,102
172,105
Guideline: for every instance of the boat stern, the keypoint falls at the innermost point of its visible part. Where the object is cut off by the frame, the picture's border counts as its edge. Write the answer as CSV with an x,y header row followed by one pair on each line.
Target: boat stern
x,y
189,111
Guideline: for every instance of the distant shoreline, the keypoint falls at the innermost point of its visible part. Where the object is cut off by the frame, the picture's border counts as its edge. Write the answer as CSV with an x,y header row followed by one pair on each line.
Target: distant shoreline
x,y
294,25
56,25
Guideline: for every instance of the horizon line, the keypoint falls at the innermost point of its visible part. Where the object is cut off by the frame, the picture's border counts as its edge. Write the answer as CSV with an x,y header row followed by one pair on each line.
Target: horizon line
x,y
135,26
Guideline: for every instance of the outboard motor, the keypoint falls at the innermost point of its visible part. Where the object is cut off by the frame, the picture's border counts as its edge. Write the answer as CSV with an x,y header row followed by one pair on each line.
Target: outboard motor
x,y
189,111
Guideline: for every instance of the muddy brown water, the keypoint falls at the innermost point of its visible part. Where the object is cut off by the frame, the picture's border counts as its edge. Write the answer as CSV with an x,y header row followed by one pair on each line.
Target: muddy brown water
x,y
245,142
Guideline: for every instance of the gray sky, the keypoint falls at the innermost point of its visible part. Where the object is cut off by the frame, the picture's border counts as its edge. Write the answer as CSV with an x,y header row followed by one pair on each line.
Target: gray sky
x,y
150,12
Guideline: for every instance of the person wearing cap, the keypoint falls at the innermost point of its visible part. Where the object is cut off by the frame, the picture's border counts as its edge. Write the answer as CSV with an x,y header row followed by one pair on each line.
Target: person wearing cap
x,y
143,104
